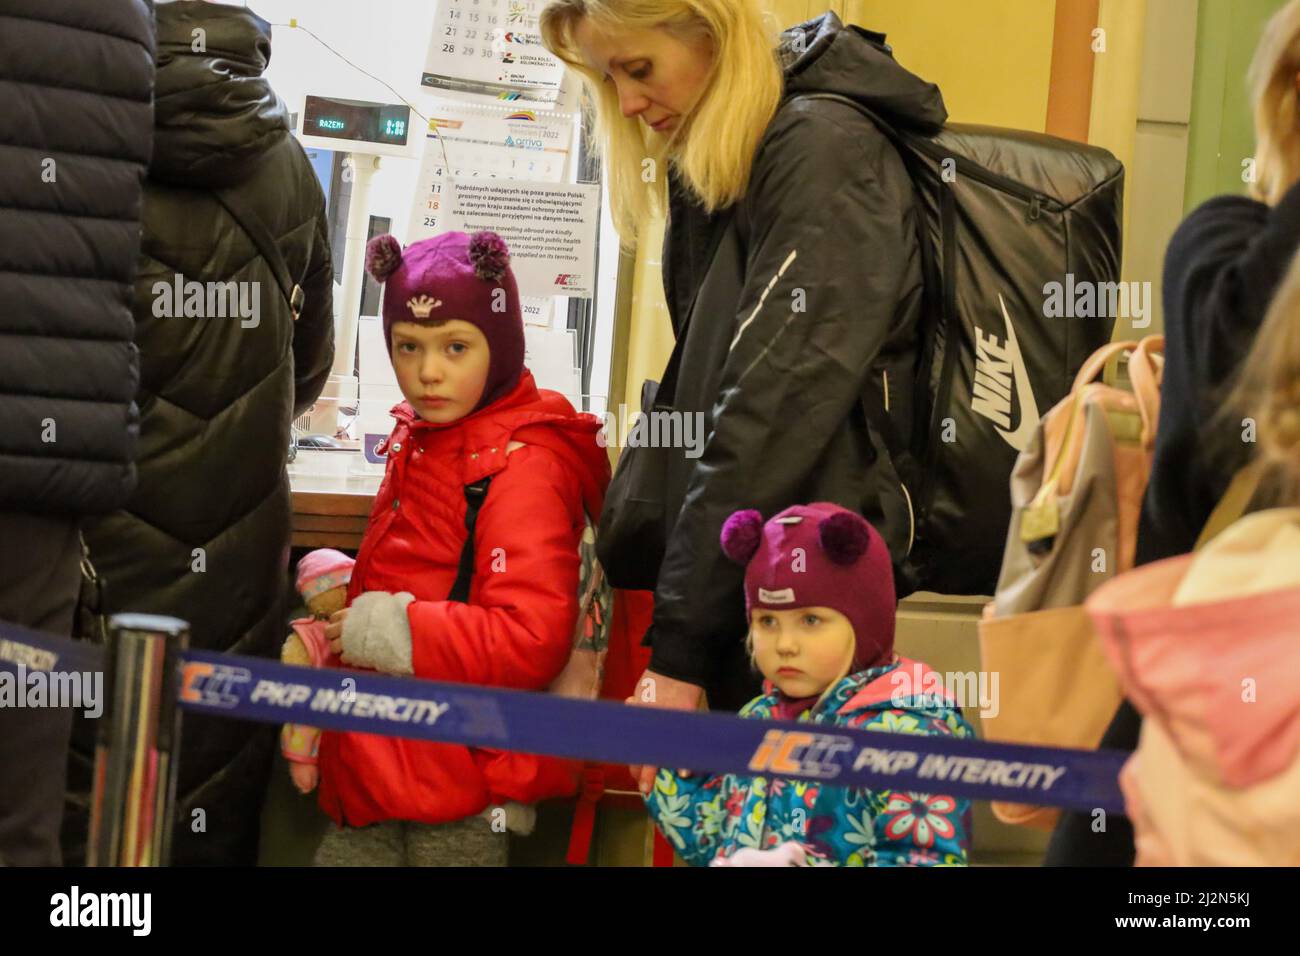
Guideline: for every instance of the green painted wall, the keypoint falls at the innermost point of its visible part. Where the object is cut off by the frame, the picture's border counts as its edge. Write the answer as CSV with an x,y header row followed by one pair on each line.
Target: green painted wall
x,y
1222,129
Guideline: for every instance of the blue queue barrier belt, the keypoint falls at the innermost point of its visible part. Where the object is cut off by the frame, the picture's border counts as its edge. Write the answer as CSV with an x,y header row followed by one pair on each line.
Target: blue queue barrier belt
x,y
249,688
36,650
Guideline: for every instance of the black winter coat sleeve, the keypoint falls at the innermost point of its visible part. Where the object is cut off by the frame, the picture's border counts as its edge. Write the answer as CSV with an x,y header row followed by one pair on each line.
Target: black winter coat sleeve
x,y
825,263
1222,268
313,334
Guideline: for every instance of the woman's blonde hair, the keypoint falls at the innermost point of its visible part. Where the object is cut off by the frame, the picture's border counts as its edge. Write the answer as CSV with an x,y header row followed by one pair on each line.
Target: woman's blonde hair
x,y
1272,75
1268,392
740,98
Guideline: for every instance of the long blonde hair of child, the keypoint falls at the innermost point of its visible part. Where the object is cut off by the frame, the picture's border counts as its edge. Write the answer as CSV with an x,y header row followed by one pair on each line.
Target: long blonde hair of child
x,y
712,149
1273,73
1268,390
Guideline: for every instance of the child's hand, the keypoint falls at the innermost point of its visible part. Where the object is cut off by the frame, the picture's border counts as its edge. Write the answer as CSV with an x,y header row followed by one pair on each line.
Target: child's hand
x,y
305,776
334,631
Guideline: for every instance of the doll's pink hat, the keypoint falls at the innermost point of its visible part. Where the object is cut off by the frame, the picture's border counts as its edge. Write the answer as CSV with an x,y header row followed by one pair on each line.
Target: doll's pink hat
x,y
323,570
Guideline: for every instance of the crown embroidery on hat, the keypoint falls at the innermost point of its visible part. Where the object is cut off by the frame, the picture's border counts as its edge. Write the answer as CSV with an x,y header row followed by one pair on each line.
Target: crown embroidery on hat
x,y
421,306
783,596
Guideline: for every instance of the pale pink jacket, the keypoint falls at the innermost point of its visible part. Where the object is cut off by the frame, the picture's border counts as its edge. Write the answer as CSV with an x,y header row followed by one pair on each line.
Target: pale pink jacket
x,y
1207,647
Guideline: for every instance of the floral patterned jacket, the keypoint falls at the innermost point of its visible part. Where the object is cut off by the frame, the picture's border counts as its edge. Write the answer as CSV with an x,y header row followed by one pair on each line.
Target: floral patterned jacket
x,y
707,817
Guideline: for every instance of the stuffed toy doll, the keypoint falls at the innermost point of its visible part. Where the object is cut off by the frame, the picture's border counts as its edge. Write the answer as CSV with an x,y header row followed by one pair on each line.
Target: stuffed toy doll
x,y
323,577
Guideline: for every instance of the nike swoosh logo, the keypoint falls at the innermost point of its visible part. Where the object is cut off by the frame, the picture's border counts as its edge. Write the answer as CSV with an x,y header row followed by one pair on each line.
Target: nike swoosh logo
x,y
1019,439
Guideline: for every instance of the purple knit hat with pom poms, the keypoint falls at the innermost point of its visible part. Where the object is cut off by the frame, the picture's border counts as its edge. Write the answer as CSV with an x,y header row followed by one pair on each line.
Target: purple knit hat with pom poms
x,y
819,555
455,276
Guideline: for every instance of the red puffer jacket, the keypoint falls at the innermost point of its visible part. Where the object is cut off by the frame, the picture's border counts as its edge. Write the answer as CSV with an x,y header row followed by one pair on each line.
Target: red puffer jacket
x,y
516,630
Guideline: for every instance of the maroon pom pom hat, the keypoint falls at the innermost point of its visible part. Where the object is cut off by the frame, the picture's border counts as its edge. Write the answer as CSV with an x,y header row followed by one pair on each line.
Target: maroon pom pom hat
x,y
819,555
455,276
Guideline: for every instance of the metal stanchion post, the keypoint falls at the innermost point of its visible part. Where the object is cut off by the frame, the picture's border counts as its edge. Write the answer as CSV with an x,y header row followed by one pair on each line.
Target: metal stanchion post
x,y
138,743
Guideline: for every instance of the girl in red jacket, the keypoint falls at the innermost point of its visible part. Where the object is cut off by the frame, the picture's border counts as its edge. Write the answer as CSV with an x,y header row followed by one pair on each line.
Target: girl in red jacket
x,y
473,414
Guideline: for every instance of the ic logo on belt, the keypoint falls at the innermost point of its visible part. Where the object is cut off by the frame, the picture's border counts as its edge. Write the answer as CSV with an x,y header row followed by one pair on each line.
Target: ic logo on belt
x,y
212,684
791,751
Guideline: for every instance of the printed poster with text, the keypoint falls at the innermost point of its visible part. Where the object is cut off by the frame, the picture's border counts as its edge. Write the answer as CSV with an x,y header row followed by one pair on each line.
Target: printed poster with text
x,y
549,227
485,141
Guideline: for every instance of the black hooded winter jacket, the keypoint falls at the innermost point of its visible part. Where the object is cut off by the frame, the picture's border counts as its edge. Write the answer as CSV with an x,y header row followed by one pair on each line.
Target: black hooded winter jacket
x,y
829,211
206,535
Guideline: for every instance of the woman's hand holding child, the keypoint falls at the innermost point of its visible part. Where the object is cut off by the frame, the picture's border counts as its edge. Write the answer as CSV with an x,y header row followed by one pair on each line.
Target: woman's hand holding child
x,y
655,690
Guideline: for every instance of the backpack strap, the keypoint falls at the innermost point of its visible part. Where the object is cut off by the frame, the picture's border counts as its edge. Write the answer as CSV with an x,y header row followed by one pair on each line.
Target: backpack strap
x,y
252,224
938,290
1234,503
474,495
584,815
901,457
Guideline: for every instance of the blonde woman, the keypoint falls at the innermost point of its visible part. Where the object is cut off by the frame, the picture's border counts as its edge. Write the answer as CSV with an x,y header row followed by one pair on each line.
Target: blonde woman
x,y
1222,268
793,278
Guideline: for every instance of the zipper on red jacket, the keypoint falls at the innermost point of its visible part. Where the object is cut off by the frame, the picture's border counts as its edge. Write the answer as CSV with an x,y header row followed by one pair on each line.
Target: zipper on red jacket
x,y
394,480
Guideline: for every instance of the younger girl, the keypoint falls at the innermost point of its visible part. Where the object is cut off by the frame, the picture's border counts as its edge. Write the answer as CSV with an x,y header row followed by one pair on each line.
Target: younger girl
x,y
474,426
819,589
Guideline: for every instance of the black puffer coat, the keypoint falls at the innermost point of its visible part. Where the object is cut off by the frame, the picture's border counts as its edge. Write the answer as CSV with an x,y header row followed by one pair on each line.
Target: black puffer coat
x,y
830,212
76,81
206,535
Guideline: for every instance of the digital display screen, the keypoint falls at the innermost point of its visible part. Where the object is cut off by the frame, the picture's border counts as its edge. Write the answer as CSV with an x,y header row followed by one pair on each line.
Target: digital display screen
x,y
356,120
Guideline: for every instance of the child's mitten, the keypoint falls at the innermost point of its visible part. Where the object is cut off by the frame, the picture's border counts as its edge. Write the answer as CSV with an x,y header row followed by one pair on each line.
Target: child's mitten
x,y
789,853
377,634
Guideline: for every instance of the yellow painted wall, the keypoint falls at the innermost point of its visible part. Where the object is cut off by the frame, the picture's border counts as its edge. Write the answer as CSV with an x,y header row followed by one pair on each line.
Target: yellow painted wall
x,y
650,338
991,58
1116,83
790,12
